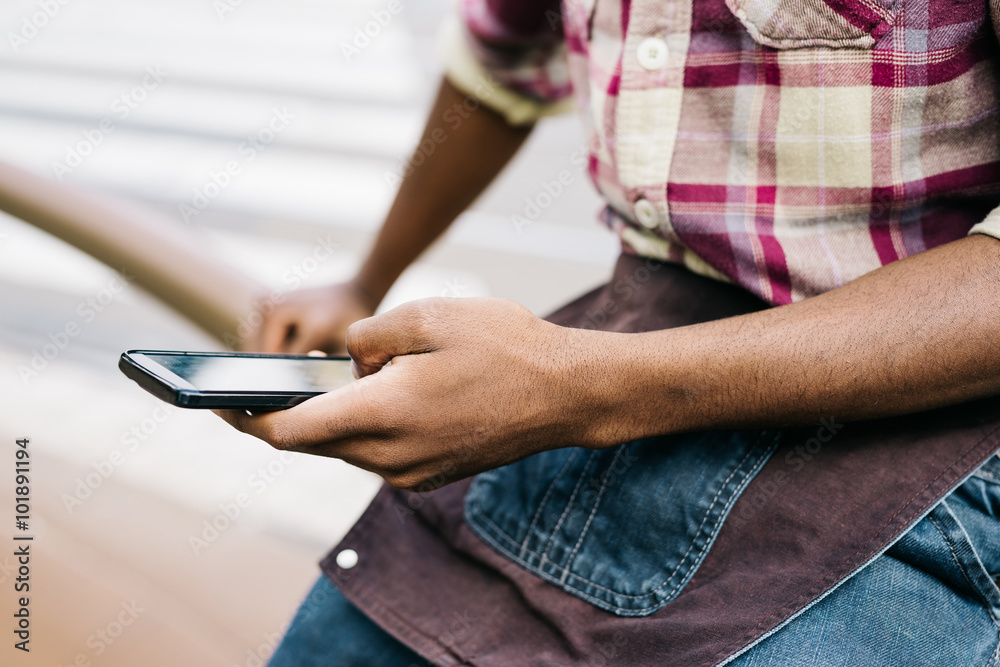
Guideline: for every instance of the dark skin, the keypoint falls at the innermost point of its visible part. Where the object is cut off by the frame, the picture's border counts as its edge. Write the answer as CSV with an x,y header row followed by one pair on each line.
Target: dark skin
x,y
430,197
478,383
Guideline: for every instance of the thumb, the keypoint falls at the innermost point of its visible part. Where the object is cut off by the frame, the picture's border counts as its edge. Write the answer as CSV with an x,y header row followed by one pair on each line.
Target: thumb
x,y
411,328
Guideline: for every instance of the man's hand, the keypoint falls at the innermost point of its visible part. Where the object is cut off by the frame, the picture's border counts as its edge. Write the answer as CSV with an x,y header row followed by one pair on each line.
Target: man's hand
x,y
473,384
477,383
311,319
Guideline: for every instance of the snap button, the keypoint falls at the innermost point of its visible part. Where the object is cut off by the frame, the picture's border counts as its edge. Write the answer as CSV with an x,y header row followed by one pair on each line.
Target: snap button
x,y
347,559
652,53
645,213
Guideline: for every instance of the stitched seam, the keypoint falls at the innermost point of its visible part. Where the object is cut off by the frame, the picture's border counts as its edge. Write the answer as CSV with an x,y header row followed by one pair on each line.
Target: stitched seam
x,y
538,569
586,526
886,18
784,611
704,519
569,506
665,582
540,572
961,566
737,492
995,660
990,476
918,493
600,602
545,500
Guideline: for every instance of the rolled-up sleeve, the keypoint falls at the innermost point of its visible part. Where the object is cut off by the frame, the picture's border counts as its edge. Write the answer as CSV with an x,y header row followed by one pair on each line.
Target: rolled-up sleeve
x,y
511,56
991,224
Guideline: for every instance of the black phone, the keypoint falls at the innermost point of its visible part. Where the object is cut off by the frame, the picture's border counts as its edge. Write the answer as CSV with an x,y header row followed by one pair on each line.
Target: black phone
x,y
242,380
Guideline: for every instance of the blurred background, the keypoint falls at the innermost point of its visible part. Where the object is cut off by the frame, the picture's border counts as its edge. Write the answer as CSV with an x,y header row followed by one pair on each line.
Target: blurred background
x,y
138,557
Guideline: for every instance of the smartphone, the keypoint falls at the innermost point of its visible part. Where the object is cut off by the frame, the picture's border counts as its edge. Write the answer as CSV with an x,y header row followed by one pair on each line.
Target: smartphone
x,y
242,380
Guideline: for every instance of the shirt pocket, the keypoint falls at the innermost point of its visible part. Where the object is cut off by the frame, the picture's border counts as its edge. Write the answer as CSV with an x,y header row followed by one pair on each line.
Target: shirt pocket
x,y
793,24
623,528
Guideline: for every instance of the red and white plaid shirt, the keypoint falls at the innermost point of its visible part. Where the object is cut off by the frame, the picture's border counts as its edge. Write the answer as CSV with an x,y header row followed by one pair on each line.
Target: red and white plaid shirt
x,y
788,146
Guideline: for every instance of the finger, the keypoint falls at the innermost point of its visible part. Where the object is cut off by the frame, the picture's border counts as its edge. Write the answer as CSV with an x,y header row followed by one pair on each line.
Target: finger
x,y
322,420
354,450
304,341
411,328
274,333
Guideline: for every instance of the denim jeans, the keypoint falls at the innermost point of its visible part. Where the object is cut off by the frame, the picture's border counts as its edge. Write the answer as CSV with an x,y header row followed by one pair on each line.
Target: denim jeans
x,y
930,599
328,630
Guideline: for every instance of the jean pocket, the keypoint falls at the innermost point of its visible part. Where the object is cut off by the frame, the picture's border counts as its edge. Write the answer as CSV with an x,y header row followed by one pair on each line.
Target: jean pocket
x,y
624,528
959,543
792,24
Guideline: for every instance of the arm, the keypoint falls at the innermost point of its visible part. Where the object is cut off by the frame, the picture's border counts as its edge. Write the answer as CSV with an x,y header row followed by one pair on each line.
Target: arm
x,y
478,383
472,144
913,335
471,149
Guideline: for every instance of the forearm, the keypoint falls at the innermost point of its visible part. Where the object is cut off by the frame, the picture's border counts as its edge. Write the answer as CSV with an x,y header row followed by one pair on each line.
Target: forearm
x,y
913,335
471,146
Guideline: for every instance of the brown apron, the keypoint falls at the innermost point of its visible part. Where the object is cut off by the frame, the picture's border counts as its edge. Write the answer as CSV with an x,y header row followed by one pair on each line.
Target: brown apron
x,y
433,584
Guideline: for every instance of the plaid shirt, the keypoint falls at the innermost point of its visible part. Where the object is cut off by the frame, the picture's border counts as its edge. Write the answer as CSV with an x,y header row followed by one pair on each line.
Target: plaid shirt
x,y
788,146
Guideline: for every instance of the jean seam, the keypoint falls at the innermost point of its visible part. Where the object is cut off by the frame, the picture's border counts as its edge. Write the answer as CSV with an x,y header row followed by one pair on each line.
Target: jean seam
x,y
590,519
995,660
748,639
673,573
927,486
599,602
989,606
528,565
544,555
708,512
544,502
989,475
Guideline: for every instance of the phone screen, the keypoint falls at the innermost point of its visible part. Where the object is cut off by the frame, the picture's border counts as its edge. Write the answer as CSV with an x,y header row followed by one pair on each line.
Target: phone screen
x,y
257,374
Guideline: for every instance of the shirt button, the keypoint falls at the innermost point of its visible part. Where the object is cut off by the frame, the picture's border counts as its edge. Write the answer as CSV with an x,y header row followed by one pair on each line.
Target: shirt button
x,y
652,53
646,214
347,559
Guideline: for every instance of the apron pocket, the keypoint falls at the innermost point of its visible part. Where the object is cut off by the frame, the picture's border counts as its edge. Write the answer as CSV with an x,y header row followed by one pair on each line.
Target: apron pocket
x,y
623,528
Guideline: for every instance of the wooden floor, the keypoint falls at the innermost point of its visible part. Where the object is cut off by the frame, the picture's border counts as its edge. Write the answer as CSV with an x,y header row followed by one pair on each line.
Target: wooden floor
x,y
124,558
